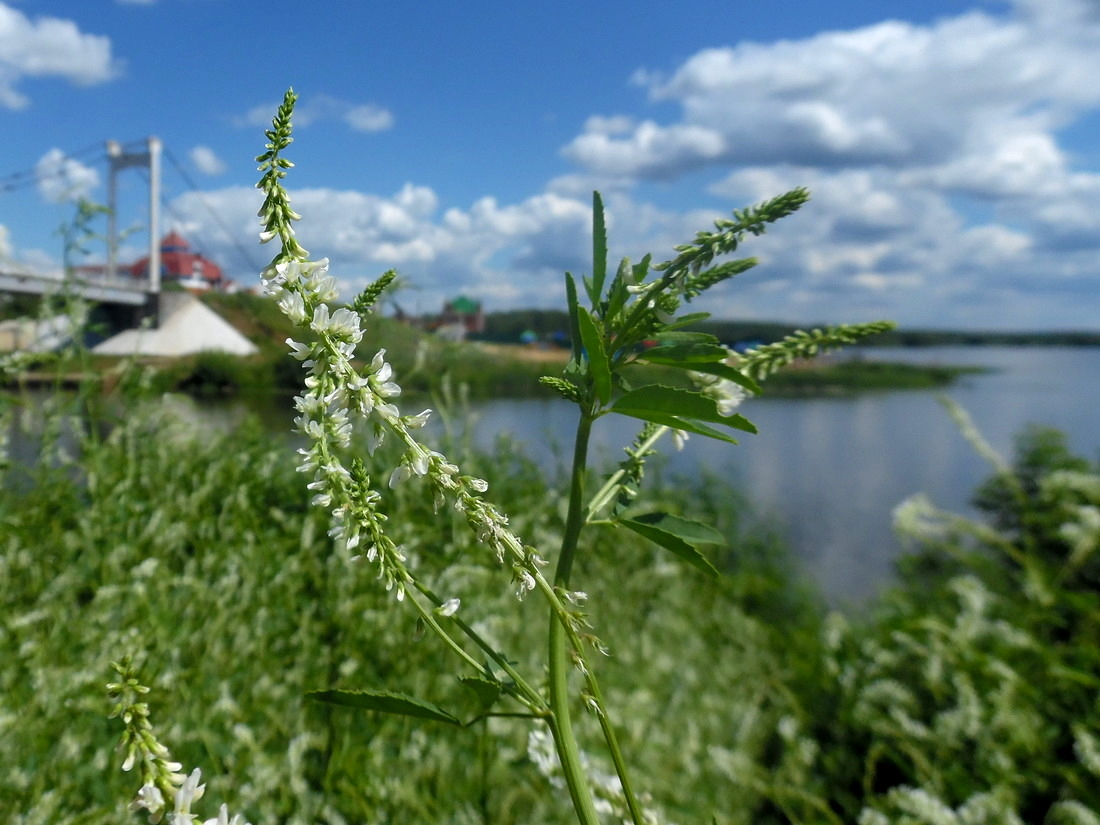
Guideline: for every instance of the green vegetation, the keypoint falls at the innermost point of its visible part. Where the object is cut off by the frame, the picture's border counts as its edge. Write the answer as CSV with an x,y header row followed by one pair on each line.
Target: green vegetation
x,y
422,360
974,685
508,325
283,618
859,375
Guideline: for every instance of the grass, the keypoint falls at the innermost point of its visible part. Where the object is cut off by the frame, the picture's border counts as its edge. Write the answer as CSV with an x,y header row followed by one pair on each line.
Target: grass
x,y
198,551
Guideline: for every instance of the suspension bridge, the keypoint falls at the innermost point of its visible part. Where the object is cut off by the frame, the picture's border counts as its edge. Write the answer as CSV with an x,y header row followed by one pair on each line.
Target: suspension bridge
x,y
129,296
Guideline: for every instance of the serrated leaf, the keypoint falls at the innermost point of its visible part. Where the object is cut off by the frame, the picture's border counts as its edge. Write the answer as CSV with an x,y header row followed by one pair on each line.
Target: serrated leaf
x,y
592,337
486,692
686,353
674,544
684,424
617,293
384,701
687,320
714,368
687,338
574,308
693,532
589,289
599,249
659,399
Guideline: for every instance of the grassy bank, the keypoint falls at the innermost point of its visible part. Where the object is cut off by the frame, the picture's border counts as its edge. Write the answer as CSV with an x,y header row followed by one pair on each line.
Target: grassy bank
x,y
972,688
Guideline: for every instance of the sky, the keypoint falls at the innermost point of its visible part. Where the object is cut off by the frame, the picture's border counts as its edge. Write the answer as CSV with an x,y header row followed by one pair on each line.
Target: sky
x,y
950,146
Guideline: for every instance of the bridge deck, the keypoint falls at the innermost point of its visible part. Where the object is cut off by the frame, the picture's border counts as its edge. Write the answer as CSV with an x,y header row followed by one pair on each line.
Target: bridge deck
x,y
102,290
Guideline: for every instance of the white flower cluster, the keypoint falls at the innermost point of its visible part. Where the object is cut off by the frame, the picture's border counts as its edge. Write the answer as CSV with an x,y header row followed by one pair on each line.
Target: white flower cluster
x,y
190,791
163,784
335,391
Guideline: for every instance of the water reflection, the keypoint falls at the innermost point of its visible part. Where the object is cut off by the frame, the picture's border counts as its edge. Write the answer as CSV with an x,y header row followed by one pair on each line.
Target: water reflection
x,y
832,470
828,471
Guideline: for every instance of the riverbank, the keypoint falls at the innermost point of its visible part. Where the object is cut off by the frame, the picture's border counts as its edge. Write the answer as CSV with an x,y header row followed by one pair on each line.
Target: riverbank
x,y
426,363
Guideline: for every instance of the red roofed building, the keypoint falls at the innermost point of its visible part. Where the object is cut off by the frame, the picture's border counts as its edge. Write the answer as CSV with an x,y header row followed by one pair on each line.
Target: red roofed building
x,y
181,265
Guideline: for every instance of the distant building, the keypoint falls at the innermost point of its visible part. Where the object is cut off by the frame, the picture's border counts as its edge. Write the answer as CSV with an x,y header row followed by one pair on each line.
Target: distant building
x,y
464,311
180,265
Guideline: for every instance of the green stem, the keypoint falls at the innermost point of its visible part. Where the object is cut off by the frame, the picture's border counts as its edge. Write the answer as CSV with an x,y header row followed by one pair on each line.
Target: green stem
x,y
606,494
561,725
530,697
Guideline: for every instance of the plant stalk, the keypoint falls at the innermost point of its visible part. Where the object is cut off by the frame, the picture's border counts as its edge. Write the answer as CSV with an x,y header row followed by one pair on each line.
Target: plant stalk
x,y
559,666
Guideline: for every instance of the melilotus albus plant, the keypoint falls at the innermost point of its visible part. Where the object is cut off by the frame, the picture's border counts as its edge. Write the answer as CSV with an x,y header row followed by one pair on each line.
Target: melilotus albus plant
x,y
623,310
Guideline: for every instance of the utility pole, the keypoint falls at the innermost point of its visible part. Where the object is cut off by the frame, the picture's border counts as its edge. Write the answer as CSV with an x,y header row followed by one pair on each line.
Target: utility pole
x,y
118,160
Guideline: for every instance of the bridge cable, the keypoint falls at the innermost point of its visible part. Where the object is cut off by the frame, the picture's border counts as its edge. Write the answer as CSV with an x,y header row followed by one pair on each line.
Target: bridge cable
x,y
246,256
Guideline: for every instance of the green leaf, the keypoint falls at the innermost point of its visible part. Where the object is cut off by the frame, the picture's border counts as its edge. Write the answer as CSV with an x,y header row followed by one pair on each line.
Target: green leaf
x,y
384,701
486,692
730,373
671,401
684,424
693,532
574,308
715,368
687,320
686,354
592,336
687,338
673,544
599,249
617,294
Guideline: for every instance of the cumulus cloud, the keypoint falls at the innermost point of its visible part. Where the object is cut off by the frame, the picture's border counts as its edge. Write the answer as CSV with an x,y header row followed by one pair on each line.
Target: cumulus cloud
x,y
941,186
206,160
892,93
45,47
368,118
361,117
61,178
506,254
943,193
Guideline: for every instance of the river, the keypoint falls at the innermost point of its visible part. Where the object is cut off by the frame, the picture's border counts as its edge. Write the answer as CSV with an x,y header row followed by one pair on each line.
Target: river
x,y
829,471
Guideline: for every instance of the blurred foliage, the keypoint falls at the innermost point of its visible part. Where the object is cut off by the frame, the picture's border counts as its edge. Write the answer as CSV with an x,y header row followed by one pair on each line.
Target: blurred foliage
x,y
968,695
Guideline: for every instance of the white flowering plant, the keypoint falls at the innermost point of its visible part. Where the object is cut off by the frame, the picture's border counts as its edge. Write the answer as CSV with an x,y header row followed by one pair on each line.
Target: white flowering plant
x,y
633,317
627,311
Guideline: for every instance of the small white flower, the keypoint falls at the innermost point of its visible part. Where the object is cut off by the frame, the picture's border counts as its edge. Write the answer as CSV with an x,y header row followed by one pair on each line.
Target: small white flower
x,y
151,799
449,607
321,320
299,351
345,324
293,306
415,422
679,438
399,474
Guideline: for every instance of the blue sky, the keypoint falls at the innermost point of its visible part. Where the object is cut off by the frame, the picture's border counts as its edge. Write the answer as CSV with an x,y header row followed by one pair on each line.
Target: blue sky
x,y
950,145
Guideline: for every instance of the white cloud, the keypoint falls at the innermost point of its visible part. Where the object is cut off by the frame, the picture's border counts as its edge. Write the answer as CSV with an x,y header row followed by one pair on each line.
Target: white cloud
x,y
933,152
368,118
892,93
206,160
942,192
48,46
61,178
362,117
